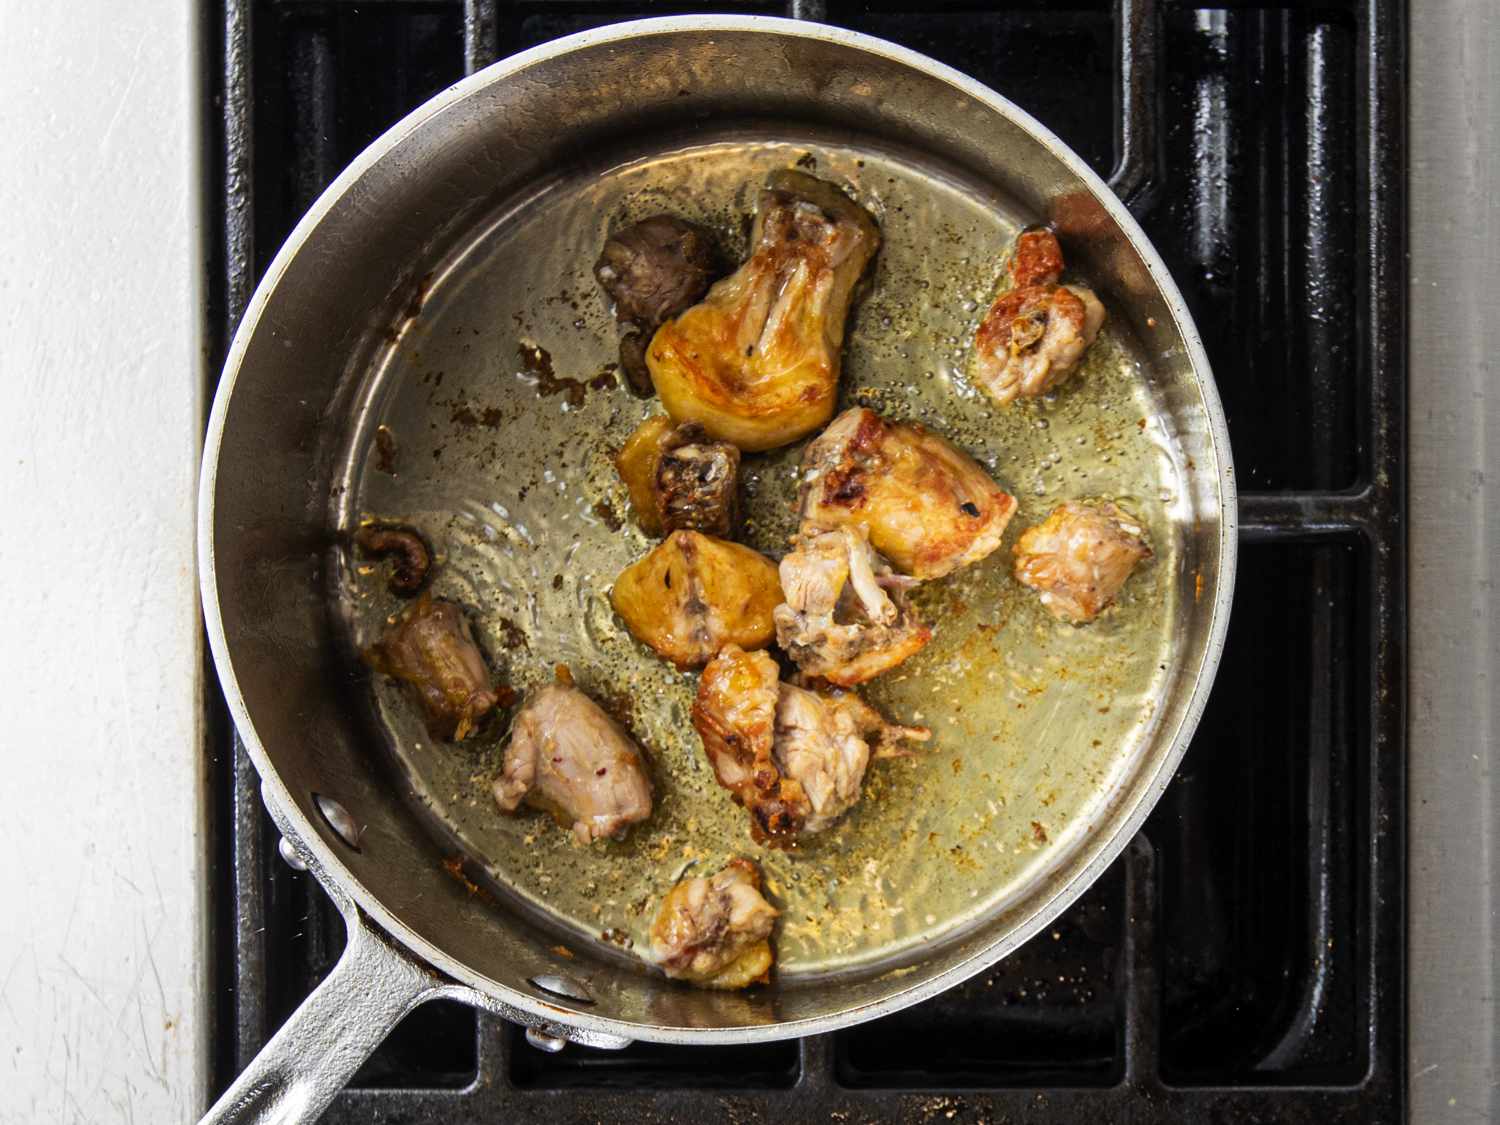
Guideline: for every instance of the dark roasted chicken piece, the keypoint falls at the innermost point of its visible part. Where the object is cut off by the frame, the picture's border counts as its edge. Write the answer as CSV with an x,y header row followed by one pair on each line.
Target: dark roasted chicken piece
x,y
693,594
1079,557
568,758
715,931
430,648
697,483
794,758
1037,330
735,715
845,618
926,506
652,270
757,361
680,479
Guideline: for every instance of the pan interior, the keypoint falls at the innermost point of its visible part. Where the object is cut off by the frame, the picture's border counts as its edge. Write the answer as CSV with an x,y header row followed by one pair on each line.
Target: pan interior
x,y
500,396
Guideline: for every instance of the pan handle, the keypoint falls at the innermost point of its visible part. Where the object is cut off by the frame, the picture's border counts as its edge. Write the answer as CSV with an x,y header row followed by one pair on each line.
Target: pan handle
x,y
320,1047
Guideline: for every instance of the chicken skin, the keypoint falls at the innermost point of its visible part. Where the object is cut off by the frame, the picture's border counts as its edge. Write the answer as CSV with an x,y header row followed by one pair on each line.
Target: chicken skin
x,y
734,714
430,648
756,363
926,506
845,618
697,483
1079,558
568,758
693,594
715,931
1037,330
794,758
679,479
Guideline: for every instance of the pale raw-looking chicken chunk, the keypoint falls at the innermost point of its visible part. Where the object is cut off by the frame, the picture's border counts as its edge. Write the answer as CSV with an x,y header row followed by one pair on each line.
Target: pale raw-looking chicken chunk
x,y
568,758
1037,330
824,743
1079,558
926,506
845,618
756,362
715,931
794,758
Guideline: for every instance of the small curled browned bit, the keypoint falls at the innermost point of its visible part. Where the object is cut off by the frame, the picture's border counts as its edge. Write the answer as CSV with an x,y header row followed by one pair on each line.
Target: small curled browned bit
x,y
413,559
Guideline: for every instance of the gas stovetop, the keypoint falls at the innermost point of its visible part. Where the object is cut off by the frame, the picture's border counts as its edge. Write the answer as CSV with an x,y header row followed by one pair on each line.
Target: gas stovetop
x,y
1244,958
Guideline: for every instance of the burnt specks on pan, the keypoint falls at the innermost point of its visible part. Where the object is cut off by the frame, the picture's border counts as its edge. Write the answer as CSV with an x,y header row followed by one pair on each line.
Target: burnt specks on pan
x,y
536,361
386,450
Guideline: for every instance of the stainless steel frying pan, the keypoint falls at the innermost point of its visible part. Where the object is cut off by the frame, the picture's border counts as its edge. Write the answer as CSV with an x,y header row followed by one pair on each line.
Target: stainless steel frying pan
x,y
418,294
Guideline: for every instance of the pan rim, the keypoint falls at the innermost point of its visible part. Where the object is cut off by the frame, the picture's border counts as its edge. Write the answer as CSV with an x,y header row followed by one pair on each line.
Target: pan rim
x,y
1099,856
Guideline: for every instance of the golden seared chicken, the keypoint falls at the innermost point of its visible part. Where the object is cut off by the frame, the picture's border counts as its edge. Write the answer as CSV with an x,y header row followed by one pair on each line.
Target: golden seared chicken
x,y
756,362
693,594
637,462
845,618
715,931
734,714
823,742
430,648
653,270
1037,330
568,758
794,758
926,506
680,479
1079,557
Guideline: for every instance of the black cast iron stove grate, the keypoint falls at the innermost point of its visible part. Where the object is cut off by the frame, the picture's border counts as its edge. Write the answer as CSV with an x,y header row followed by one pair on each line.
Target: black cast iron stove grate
x,y
1243,959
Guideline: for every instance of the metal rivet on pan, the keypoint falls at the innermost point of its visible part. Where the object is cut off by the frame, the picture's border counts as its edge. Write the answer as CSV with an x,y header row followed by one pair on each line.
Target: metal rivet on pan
x,y
559,985
289,853
339,819
545,1041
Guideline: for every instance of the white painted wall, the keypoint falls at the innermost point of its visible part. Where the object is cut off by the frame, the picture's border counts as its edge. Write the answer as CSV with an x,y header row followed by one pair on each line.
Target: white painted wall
x,y
102,990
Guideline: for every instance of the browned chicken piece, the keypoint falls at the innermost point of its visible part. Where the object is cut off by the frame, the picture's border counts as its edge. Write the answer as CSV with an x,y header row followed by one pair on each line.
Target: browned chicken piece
x,y
697,483
637,462
845,618
793,758
926,506
693,594
430,648
1037,330
756,362
1079,557
680,479
735,715
715,931
824,742
568,758
652,270
412,558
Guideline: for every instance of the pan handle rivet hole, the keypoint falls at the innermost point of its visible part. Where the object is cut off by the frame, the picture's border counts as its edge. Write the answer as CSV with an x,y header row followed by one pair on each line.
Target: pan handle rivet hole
x,y
338,818
555,984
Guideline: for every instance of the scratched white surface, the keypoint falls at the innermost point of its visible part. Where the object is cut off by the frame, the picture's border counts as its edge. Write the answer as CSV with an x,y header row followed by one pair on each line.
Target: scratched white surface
x,y
102,995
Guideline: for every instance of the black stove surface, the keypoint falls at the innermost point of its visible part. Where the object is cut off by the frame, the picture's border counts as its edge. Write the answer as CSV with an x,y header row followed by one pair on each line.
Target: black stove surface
x,y
1242,961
